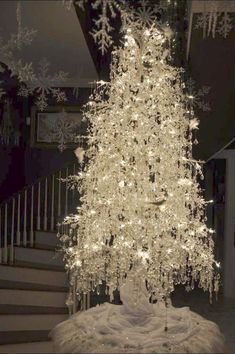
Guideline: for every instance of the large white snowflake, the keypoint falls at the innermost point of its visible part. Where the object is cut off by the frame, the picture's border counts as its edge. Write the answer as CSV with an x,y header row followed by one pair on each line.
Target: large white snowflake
x,y
64,130
43,84
146,12
102,30
142,12
38,82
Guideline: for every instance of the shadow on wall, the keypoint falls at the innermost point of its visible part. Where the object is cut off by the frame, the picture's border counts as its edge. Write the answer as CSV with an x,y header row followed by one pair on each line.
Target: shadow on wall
x,y
11,171
22,166
211,64
44,162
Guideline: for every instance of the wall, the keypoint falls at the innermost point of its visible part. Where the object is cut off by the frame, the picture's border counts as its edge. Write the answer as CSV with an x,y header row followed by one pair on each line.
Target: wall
x,y
22,165
12,171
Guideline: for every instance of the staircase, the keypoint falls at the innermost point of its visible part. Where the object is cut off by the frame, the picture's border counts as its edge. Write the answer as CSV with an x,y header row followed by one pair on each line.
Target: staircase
x,y
32,297
33,283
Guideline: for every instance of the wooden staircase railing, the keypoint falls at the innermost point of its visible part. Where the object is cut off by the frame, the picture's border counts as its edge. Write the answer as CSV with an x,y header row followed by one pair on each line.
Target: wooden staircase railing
x,y
39,206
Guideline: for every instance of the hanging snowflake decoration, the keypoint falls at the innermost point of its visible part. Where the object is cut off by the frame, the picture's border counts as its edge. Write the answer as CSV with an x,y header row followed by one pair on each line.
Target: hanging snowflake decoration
x,y
15,43
40,83
80,3
106,9
64,130
225,25
196,97
143,12
201,22
68,4
43,84
102,31
220,23
215,19
23,37
146,13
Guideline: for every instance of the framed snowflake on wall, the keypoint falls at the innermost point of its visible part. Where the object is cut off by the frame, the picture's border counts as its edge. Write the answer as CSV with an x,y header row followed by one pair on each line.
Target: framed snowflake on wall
x,y
56,127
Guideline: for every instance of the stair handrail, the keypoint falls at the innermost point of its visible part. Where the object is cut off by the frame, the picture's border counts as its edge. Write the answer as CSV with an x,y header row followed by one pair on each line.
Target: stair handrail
x,y
37,180
36,206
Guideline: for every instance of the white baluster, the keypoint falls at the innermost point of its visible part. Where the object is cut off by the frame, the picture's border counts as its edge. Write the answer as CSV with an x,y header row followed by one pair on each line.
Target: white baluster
x,y
5,254
66,192
25,219
39,206
52,203
18,222
12,232
45,207
59,196
31,217
0,235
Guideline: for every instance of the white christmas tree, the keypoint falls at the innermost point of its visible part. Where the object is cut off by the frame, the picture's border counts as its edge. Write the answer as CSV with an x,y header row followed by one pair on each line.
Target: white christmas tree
x,y
142,206
141,227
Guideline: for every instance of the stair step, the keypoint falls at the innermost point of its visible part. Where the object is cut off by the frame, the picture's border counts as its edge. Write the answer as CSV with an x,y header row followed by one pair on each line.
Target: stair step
x,y
40,258
25,348
30,310
46,239
36,322
39,266
32,298
5,284
15,337
32,276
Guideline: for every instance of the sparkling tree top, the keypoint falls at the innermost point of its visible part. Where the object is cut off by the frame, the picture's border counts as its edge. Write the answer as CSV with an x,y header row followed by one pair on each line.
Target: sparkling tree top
x,y
142,207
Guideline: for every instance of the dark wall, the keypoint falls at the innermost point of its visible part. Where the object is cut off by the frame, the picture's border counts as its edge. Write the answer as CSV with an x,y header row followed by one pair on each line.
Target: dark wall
x,y
12,156
44,162
212,64
22,165
11,171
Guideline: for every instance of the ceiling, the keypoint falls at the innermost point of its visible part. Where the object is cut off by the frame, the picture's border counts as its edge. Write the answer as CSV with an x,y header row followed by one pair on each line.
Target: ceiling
x,y
59,38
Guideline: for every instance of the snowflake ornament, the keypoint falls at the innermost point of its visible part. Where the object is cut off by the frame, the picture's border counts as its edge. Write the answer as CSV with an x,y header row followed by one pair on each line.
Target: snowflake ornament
x,y
215,19
102,31
43,84
201,22
195,97
146,13
68,4
143,12
225,25
64,131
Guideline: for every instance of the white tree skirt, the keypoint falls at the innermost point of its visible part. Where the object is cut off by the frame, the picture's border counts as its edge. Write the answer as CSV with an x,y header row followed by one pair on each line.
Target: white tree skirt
x,y
137,328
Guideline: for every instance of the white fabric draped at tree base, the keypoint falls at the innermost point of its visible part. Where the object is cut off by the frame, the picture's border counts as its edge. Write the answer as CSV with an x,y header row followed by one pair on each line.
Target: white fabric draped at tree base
x,y
137,326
